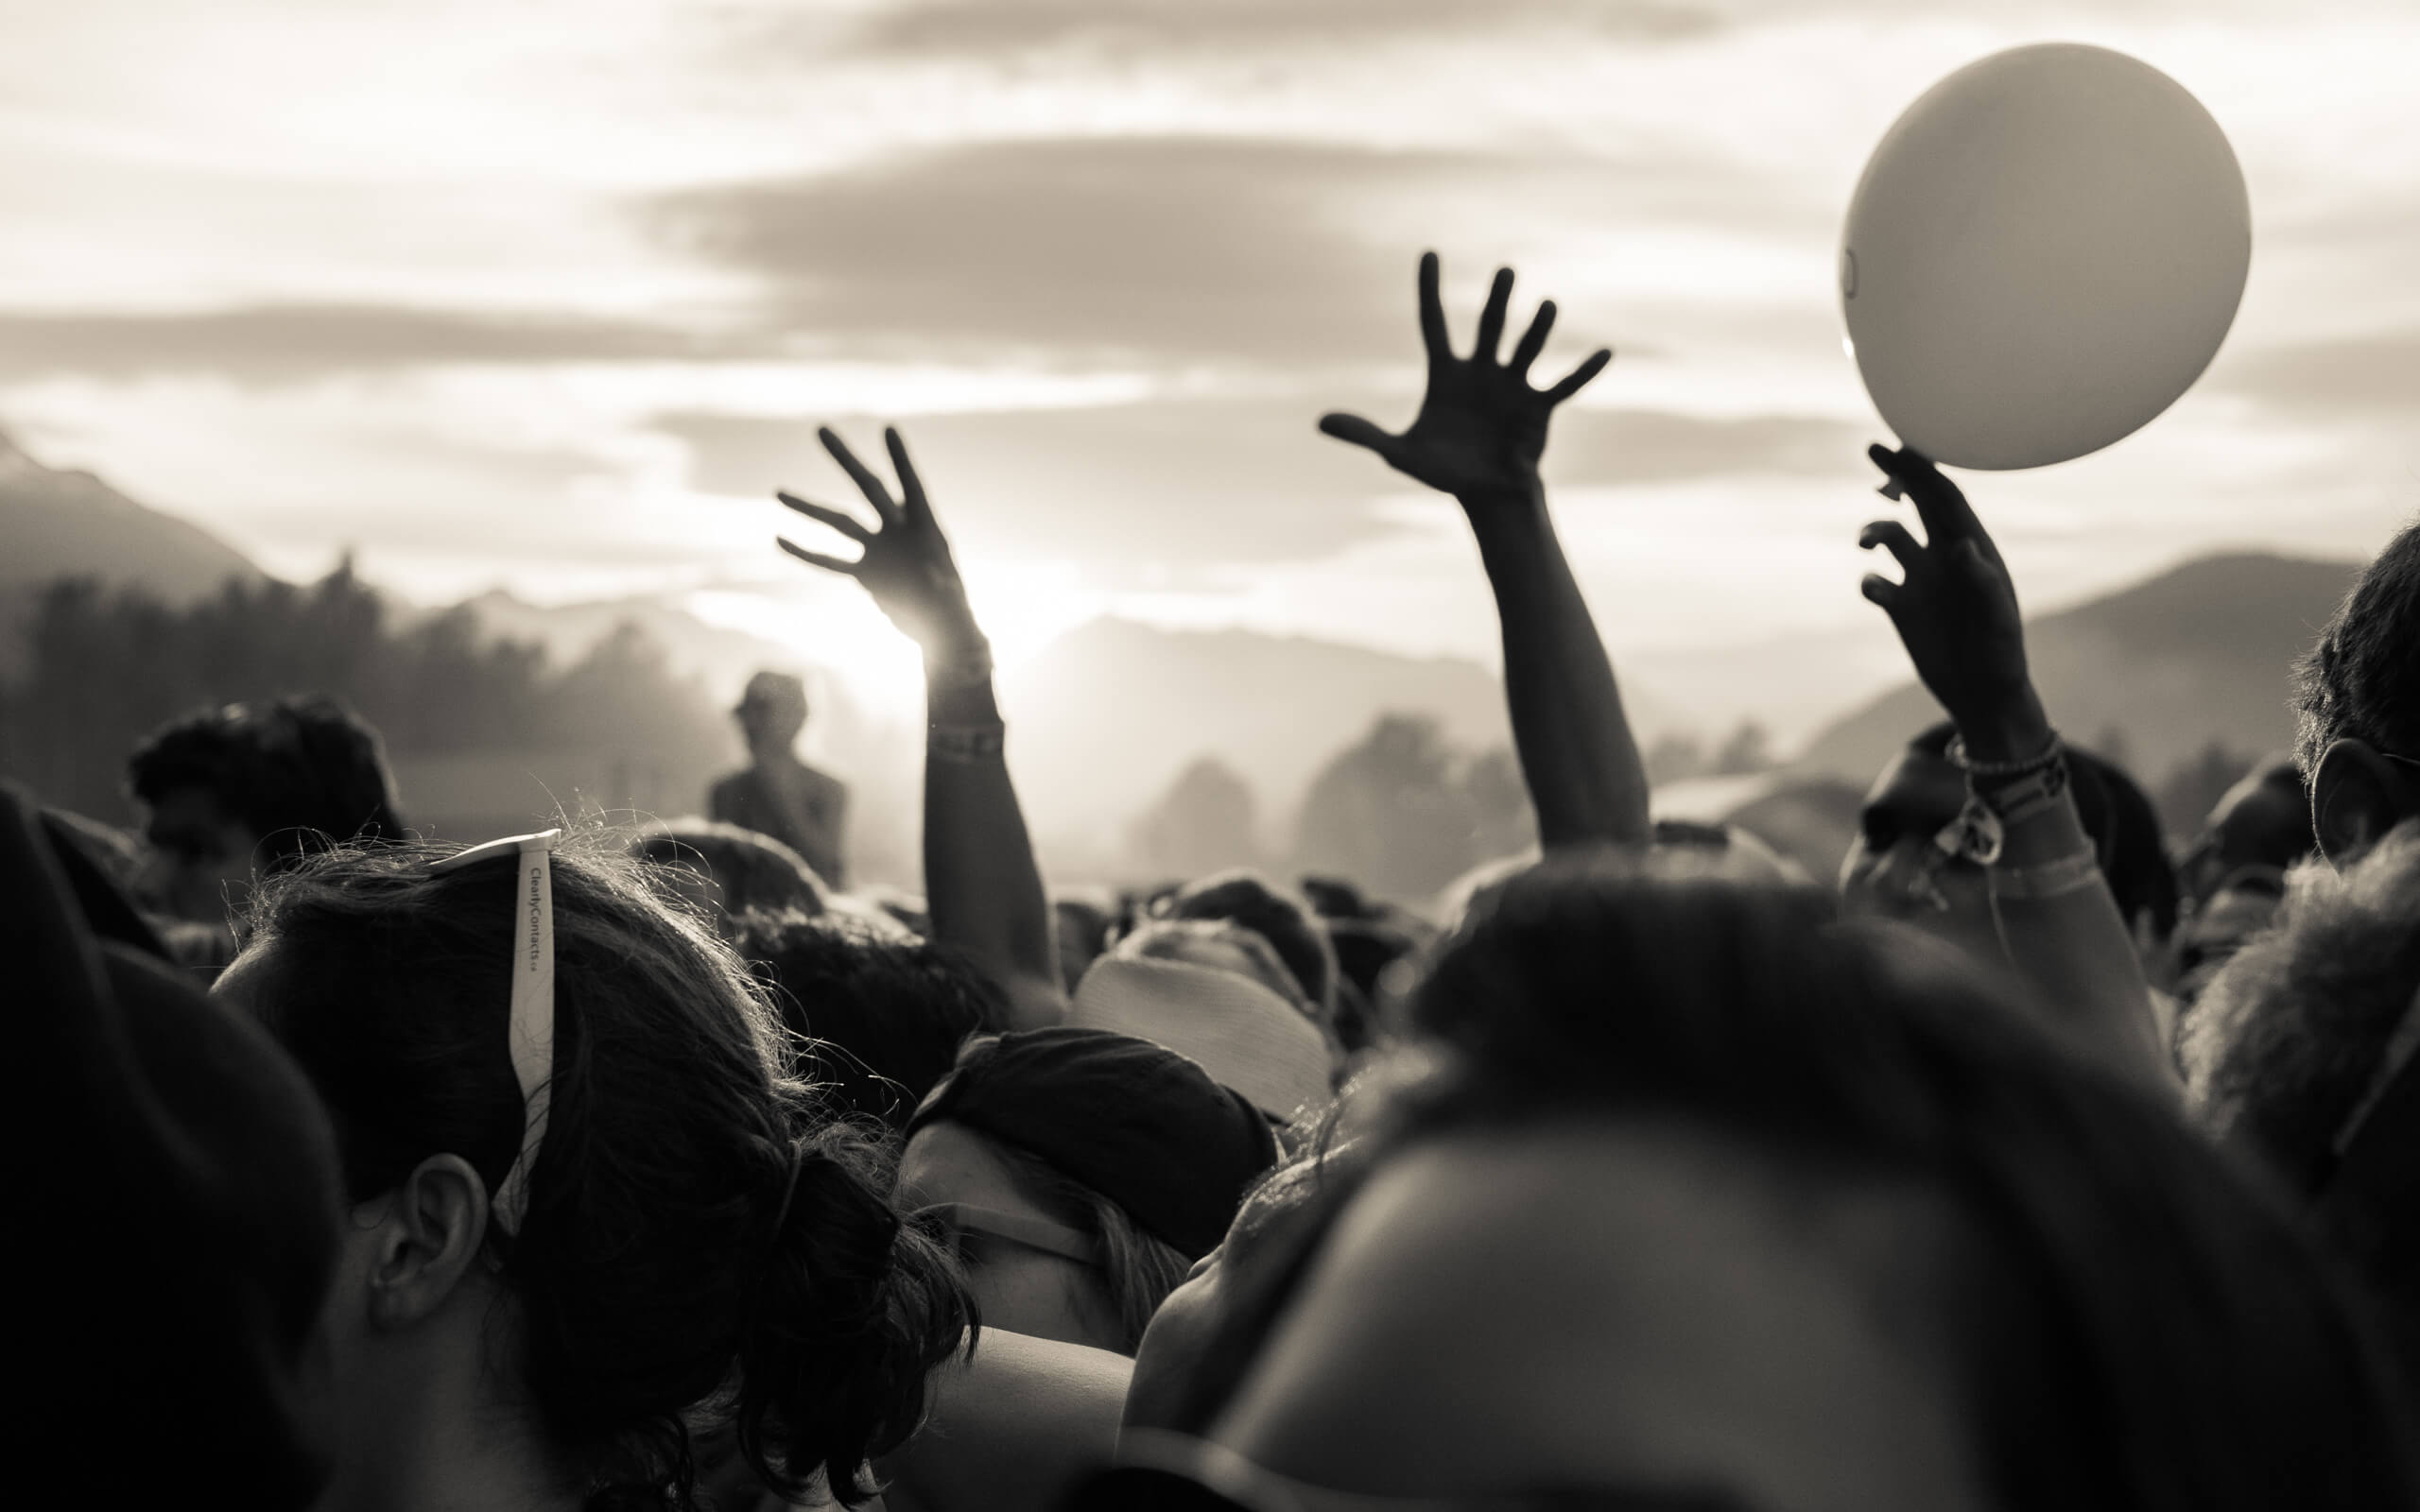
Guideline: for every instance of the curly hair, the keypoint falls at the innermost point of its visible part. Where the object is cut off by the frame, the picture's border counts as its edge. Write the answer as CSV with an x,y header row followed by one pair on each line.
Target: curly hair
x,y
2362,680
701,1250
298,772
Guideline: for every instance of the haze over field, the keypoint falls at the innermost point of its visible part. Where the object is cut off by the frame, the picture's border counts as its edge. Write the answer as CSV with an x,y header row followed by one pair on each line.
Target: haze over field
x,y
548,296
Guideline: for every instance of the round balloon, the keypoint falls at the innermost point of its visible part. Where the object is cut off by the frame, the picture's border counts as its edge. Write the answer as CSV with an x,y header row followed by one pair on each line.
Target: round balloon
x,y
2044,253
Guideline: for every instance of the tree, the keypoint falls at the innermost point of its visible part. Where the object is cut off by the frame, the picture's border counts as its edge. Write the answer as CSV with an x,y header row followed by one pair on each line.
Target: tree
x,y
1204,822
1404,813
1747,749
1675,757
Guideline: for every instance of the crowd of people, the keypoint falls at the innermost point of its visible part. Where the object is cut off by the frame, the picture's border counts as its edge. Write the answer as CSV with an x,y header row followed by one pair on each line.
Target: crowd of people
x,y
2026,1167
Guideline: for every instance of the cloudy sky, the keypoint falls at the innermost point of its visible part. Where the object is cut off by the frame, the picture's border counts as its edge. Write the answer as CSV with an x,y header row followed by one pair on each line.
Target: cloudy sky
x,y
552,295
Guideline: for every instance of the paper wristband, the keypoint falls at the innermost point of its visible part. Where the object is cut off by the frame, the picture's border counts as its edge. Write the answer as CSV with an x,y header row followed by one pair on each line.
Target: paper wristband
x,y
531,1032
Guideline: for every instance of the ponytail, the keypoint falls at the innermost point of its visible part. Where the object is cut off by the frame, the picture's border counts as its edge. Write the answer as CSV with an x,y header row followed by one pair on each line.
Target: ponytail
x,y
856,1309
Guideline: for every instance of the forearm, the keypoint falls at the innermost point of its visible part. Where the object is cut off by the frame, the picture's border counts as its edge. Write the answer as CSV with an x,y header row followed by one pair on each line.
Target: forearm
x,y
981,884
1569,731
2062,928
1013,1428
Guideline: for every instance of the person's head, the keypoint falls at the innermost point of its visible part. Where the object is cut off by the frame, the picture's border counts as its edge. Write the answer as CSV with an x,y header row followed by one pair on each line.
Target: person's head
x,y
185,1200
2234,876
1695,1155
249,789
696,1250
1894,870
1287,922
1083,1173
723,871
2358,696
881,1017
771,712
1215,991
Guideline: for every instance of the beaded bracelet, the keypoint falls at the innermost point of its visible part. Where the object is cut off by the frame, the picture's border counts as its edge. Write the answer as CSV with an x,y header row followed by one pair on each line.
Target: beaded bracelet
x,y
2048,755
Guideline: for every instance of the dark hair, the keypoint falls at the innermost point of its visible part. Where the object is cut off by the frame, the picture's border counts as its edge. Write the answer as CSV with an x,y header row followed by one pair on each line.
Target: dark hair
x,y
298,772
2119,821
2107,1250
2362,680
878,1019
754,871
653,1277
1285,922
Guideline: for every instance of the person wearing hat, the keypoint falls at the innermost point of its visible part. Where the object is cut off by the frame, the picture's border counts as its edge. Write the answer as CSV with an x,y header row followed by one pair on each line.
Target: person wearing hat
x,y
1080,1173
186,1185
779,795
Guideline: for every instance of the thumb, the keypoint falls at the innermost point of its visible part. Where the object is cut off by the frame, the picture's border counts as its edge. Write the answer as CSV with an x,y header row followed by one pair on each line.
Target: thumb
x,y
1354,431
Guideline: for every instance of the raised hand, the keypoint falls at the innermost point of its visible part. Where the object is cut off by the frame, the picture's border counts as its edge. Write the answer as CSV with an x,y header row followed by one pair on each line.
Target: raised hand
x,y
1955,609
906,563
1482,428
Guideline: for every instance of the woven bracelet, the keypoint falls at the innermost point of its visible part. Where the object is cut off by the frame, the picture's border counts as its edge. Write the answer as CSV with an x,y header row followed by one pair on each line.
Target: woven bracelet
x,y
2051,879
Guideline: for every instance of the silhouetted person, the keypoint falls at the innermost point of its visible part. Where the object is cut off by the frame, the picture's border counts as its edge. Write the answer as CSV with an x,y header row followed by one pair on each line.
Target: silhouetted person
x,y
779,795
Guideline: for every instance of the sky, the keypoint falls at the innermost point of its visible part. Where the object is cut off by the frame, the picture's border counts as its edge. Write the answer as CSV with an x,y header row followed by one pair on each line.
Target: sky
x,y
551,296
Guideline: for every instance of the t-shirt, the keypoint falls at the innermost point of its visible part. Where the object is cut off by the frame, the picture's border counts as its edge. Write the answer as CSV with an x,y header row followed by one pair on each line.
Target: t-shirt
x,y
804,809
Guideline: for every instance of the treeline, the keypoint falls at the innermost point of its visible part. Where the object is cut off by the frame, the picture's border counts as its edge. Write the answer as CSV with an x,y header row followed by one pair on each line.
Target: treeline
x,y
1401,811
102,667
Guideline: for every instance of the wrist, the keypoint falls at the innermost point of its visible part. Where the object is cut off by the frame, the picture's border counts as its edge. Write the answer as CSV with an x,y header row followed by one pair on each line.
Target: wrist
x,y
2015,731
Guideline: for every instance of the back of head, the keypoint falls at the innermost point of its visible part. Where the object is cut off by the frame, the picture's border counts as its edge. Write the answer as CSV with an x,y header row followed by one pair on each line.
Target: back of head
x,y
690,1225
295,772
880,1018
187,1195
751,872
2097,1248
1285,922
2110,1245
1214,992
2361,679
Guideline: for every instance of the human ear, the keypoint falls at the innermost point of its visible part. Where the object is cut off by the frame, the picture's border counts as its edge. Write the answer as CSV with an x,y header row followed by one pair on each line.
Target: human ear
x,y
430,1238
2356,795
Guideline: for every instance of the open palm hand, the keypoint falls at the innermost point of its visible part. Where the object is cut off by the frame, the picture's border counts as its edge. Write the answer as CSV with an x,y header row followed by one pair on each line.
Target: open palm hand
x,y
1482,428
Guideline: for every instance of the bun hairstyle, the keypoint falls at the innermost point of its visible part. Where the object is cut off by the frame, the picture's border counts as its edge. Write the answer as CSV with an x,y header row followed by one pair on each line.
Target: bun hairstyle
x,y
701,1249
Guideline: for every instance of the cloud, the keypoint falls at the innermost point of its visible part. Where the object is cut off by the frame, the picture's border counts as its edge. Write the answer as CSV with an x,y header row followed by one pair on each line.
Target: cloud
x,y
992,28
272,342
2356,376
1192,248
1178,484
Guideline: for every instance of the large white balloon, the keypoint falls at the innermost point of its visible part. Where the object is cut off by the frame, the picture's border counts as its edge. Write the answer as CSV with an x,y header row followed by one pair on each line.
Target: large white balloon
x,y
2044,253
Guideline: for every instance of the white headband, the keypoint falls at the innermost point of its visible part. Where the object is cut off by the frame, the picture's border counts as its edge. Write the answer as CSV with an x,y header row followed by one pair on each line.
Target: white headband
x,y
532,1030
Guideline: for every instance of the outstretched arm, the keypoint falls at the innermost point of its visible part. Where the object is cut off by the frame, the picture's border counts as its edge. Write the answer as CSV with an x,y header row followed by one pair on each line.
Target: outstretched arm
x,y
1478,436
1956,612
980,880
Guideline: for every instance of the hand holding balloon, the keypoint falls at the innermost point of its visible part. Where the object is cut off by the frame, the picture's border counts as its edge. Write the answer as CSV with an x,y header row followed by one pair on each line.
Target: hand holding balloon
x,y
1955,609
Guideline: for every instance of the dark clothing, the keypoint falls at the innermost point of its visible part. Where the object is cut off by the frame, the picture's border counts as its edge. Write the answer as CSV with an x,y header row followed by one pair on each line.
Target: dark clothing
x,y
804,809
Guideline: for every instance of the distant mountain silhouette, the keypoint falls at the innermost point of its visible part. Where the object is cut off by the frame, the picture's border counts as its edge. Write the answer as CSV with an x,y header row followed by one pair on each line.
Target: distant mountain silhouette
x,y
66,523
59,522
2198,654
